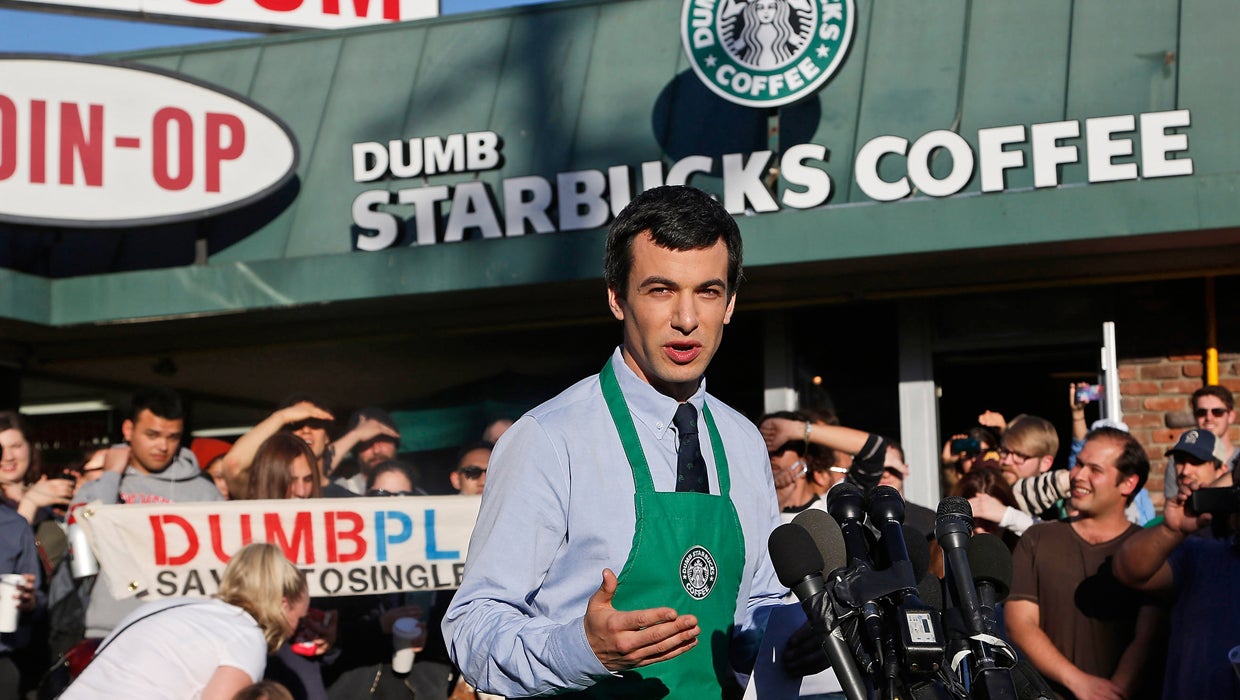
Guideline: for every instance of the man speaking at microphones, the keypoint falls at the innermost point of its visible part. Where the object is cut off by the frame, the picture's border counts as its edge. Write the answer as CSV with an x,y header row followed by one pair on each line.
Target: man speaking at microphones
x,y
620,549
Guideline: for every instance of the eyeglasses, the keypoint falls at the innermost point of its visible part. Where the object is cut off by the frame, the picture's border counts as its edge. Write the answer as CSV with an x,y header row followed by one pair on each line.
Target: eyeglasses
x,y
313,423
382,492
1004,452
1216,412
797,446
472,473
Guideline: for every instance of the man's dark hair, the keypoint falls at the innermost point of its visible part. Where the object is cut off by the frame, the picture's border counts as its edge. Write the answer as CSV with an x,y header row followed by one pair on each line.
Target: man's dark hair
x,y
1132,458
163,402
1222,393
476,445
678,218
395,465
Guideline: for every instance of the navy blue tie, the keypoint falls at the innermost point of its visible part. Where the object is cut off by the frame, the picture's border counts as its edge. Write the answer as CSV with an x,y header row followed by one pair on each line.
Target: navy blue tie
x,y
690,468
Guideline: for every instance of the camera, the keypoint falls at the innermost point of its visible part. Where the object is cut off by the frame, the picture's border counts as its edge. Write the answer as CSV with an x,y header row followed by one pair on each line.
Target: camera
x,y
969,446
1088,393
1217,501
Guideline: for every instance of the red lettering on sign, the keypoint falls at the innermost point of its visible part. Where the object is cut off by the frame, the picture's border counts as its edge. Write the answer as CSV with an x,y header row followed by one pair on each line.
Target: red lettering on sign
x,y
74,141
279,5
184,145
8,138
303,532
216,123
38,141
353,534
391,8
217,537
162,558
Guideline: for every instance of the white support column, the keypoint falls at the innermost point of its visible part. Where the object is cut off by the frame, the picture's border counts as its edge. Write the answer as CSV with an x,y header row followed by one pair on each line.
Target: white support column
x,y
919,406
779,392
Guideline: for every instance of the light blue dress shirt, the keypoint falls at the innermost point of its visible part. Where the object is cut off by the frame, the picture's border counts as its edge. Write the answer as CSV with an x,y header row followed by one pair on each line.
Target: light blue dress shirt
x,y
558,509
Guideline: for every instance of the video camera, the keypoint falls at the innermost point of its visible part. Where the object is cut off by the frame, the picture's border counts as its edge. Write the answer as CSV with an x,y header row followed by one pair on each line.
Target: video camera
x,y
1216,501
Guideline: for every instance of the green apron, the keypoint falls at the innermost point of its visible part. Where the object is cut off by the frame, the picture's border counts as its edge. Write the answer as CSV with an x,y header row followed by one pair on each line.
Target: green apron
x,y
688,553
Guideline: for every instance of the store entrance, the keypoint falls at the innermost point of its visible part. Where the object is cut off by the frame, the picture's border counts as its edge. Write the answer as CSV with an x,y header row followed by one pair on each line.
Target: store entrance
x,y
1012,381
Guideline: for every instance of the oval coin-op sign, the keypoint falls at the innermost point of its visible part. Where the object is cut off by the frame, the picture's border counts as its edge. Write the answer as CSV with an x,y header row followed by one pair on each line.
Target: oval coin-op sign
x,y
97,144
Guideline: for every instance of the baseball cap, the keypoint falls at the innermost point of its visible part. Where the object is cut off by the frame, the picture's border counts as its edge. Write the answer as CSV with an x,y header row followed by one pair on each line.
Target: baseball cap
x,y
1195,443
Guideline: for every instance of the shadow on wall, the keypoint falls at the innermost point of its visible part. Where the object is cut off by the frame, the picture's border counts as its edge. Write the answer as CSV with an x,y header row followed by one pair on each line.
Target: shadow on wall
x,y
70,252
688,119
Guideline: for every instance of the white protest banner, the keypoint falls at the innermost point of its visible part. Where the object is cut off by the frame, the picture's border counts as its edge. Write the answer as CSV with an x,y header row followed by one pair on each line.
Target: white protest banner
x,y
346,546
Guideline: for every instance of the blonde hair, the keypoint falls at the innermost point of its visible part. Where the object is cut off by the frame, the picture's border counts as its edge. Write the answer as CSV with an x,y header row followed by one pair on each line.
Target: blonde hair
x,y
258,580
1031,435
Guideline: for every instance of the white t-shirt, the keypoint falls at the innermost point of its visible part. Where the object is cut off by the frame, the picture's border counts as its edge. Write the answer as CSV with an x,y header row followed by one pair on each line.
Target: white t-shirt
x,y
173,653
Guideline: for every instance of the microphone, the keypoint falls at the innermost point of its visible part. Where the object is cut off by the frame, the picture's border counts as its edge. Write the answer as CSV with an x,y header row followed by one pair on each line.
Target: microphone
x,y
953,528
798,564
846,504
797,561
827,537
919,643
991,563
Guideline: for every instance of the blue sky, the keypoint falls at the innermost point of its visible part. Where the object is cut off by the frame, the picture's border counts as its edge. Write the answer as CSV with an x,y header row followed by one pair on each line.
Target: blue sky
x,y
45,32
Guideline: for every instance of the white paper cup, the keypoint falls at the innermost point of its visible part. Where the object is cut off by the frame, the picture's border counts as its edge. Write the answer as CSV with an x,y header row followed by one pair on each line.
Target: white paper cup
x,y
9,590
405,631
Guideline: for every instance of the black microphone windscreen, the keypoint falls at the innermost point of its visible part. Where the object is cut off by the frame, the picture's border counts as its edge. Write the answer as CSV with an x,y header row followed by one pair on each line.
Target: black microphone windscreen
x,y
930,590
827,537
954,505
794,554
884,504
918,550
846,502
991,561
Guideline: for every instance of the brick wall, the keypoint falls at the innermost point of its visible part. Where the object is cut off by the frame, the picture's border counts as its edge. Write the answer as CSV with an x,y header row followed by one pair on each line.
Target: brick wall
x,y
1155,393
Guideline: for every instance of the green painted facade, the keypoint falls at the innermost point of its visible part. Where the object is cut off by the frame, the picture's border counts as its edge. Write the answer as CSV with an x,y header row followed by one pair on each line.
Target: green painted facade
x,y
590,85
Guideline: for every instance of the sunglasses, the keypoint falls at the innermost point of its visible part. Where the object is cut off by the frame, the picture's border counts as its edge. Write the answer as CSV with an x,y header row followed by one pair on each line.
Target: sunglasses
x,y
797,446
1216,412
381,492
472,473
314,423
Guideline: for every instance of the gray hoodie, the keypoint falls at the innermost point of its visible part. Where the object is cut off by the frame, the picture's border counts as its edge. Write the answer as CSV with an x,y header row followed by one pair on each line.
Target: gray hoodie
x,y
181,482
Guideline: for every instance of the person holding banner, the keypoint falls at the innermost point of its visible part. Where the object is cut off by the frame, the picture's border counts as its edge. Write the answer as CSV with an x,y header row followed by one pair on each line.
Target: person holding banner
x,y
151,467
207,648
635,470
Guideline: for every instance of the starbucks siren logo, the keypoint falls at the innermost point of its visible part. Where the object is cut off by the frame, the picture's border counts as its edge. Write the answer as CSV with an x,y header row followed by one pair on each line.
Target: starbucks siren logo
x,y
766,53
698,572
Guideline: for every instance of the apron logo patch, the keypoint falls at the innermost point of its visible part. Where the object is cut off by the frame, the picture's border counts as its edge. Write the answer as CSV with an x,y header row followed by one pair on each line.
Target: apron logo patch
x,y
698,572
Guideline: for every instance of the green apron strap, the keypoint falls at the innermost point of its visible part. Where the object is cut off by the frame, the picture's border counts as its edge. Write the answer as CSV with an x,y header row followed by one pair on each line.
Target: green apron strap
x,y
623,420
721,458
628,432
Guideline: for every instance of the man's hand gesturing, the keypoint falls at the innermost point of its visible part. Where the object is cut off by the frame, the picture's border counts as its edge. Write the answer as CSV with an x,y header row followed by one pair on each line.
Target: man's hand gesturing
x,y
629,639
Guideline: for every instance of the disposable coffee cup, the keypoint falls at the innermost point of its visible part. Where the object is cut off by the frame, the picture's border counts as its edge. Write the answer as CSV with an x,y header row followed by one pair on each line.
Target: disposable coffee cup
x,y
10,587
405,632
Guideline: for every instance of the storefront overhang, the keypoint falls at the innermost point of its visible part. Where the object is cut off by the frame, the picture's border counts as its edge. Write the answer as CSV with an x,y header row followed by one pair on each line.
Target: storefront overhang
x,y
1109,220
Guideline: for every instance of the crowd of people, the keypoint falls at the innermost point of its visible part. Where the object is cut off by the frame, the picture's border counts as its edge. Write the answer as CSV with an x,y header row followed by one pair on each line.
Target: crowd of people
x,y
1102,591
621,548
290,455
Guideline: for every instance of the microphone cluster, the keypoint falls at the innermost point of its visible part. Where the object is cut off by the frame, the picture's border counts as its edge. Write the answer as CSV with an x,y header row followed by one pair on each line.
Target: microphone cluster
x,y
862,578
